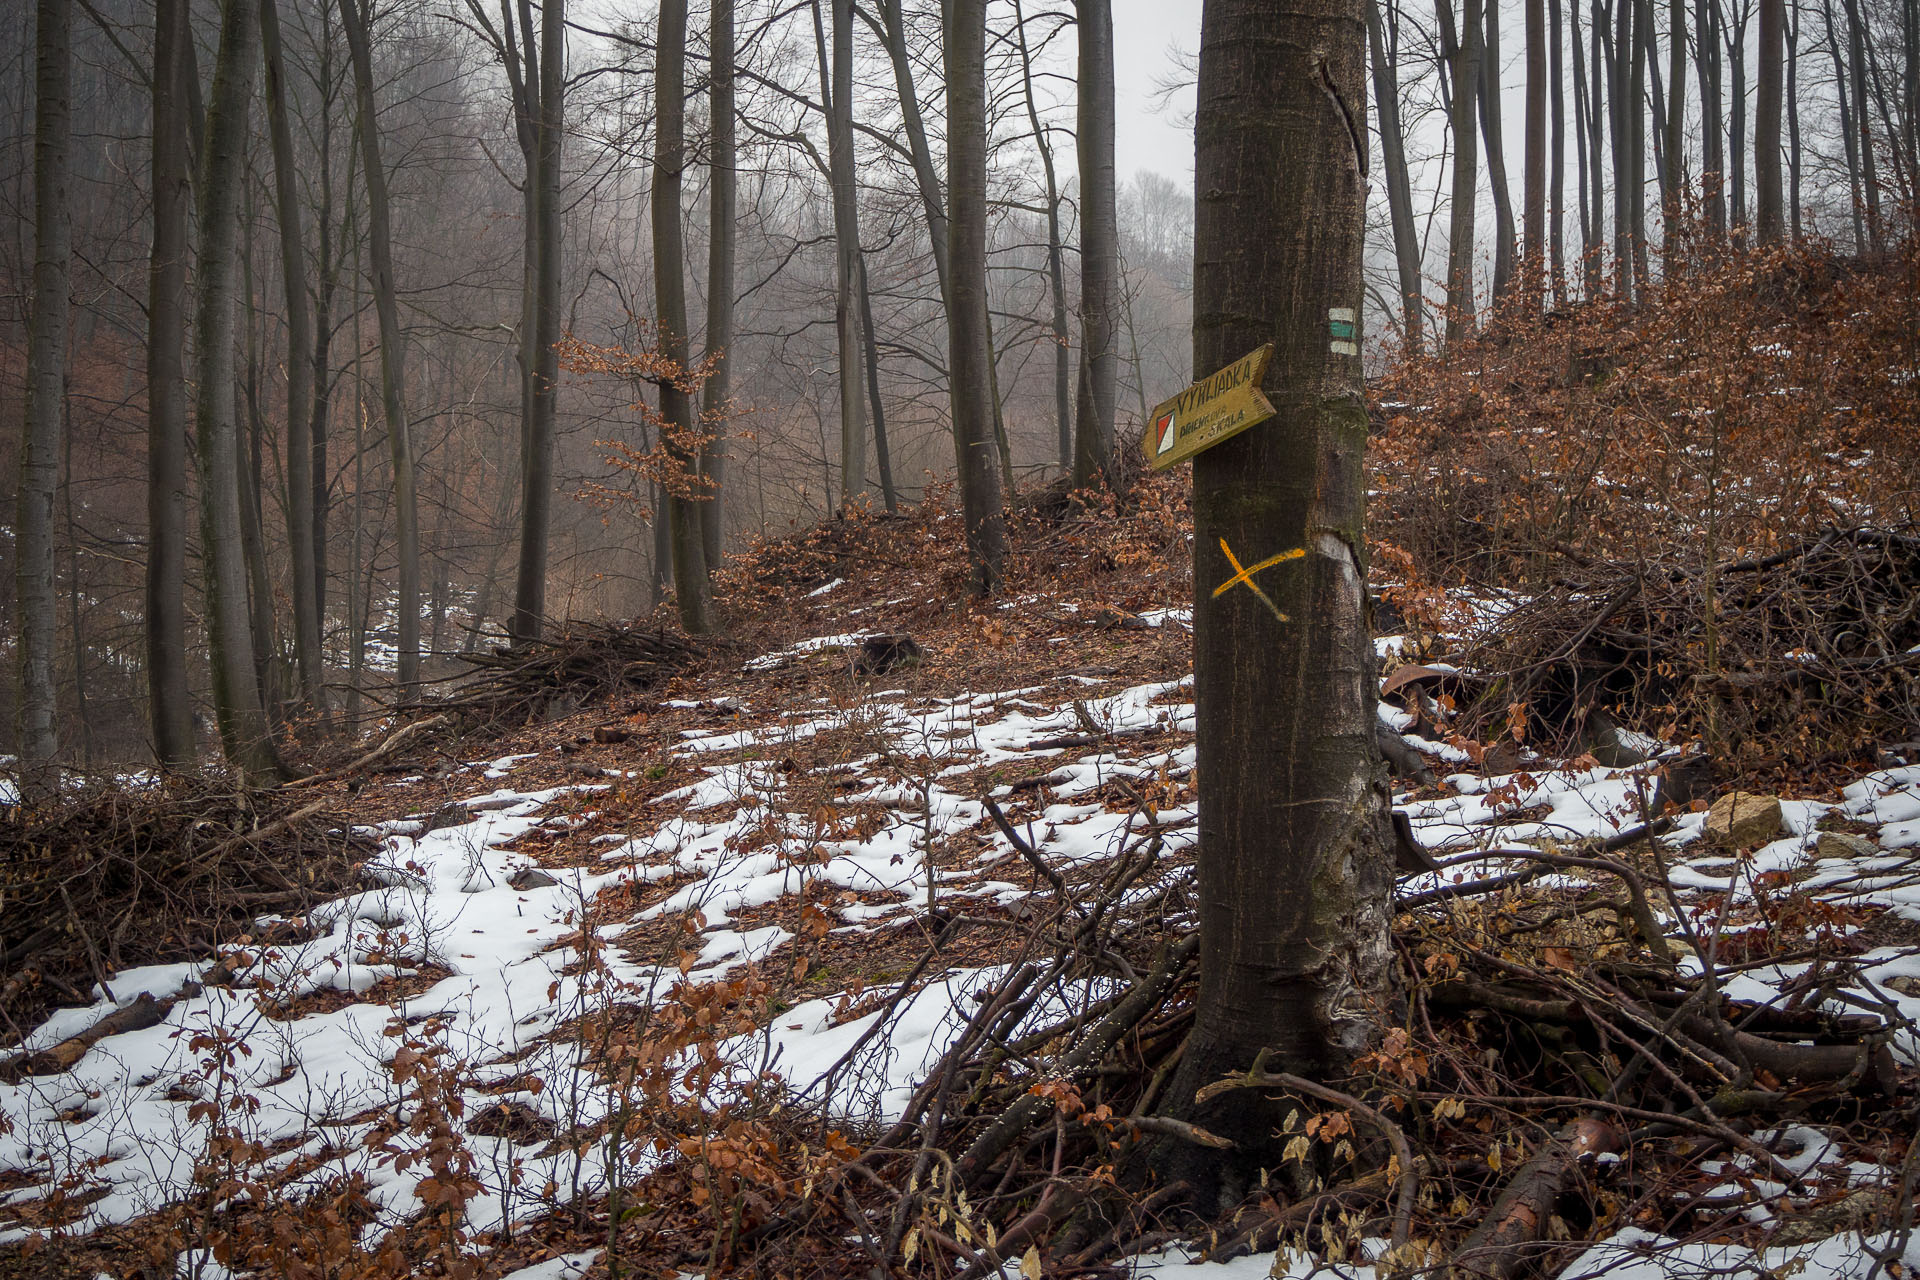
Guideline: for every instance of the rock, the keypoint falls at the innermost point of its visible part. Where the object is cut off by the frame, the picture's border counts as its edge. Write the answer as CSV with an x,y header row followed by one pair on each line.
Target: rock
x,y
1742,818
1838,844
531,878
881,654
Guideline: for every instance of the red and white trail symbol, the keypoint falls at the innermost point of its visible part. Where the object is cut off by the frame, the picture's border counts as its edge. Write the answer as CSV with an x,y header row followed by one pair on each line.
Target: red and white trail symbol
x,y
1164,432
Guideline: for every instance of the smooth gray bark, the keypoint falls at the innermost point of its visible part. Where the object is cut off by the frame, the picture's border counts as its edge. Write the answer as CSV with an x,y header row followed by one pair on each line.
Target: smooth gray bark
x,y
722,184
169,708
1713,138
1099,390
1533,181
1406,241
1056,274
541,358
1294,868
1557,157
46,397
393,373
1770,222
1491,133
1461,54
691,590
969,344
293,271
836,85
244,728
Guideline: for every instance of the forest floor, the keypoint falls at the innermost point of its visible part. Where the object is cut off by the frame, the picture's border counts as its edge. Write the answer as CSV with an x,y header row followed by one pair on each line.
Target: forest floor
x,y
817,953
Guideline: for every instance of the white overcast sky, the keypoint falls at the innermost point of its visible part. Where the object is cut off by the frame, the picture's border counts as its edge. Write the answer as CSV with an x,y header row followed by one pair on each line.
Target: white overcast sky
x,y
1145,33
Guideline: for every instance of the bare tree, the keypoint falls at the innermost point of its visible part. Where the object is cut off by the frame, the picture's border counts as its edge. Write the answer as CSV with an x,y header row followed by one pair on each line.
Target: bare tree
x,y
1099,253
170,713
691,590
1056,274
1490,131
244,729
1713,137
1461,55
393,373
1406,241
293,271
46,398
836,87
542,360
1295,870
1533,201
1770,223
721,241
969,343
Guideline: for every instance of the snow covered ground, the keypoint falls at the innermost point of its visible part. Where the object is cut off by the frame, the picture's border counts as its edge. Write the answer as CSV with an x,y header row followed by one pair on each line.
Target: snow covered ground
x,y
480,947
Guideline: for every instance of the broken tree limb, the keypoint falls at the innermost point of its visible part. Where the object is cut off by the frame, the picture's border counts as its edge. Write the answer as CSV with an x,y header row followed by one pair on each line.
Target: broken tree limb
x,y
144,1012
1498,1249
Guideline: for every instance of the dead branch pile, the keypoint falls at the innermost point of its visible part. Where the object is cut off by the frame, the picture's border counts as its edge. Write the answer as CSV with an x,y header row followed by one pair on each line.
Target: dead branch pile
x,y
1807,654
119,877
555,676
1531,1041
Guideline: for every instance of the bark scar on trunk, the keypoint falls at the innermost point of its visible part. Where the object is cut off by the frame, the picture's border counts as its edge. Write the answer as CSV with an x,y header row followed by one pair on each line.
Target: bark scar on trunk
x,y
1359,143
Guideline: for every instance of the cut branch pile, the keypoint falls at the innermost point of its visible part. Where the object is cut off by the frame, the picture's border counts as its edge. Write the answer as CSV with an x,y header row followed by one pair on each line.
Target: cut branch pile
x,y
1810,653
1530,1044
117,878
583,663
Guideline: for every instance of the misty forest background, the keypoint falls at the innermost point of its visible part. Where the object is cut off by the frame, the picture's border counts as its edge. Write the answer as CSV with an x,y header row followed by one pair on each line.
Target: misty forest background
x,y
521,158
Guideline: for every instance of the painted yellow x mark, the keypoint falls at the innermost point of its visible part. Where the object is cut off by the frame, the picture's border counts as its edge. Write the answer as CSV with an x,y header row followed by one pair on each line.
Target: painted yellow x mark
x,y
1243,575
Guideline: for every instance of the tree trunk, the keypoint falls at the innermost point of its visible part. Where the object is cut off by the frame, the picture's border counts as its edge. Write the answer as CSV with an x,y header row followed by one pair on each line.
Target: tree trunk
x,y
1673,233
969,343
1851,140
1295,870
1713,153
1770,223
244,729
293,271
1534,182
1062,340
1795,153
329,273
1461,54
1734,38
393,374
836,84
170,709
1557,158
1503,230
722,237
1093,455
893,32
1619,79
883,455
540,94
1406,241
690,587
1863,121
1637,141
1583,115
1599,117
46,398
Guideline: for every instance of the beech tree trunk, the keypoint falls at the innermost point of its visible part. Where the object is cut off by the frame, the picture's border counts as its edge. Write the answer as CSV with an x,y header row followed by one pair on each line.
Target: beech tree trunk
x,y
722,184
836,91
1713,145
1295,869
1461,53
1490,131
293,271
1673,233
46,398
244,729
541,118
969,340
1734,38
1056,275
1557,157
691,590
1534,180
170,710
393,373
1099,391
1770,222
1406,240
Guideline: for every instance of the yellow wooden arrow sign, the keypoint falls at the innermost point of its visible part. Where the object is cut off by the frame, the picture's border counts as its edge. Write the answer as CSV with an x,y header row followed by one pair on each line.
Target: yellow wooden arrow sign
x,y
1209,411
